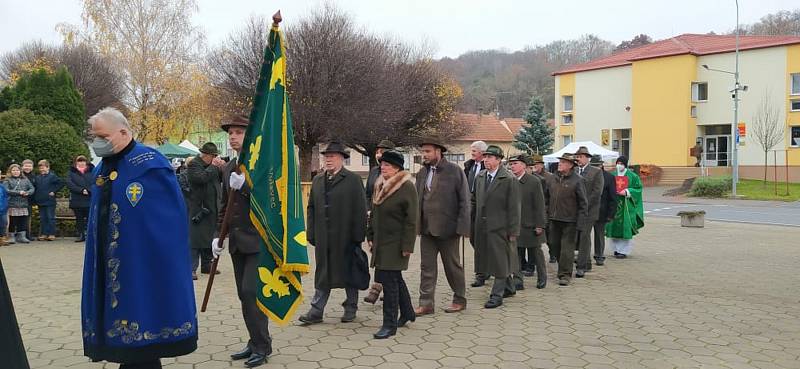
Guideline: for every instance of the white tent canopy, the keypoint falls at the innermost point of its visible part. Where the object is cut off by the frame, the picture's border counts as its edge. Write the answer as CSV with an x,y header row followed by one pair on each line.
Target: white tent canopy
x,y
188,145
573,147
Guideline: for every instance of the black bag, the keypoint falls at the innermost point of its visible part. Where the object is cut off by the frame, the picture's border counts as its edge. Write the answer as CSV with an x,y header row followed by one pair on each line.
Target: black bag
x,y
359,269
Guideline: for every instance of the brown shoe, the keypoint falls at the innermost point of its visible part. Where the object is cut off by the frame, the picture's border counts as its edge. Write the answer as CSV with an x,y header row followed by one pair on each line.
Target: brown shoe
x,y
374,293
454,308
423,310
51,238
41,238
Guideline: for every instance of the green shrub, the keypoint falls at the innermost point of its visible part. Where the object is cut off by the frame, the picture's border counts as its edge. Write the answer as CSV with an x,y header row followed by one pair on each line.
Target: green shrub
x,y
711,187
25,135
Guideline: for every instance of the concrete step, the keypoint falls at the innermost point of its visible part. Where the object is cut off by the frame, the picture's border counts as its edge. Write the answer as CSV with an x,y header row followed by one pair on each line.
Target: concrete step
x,y
674,176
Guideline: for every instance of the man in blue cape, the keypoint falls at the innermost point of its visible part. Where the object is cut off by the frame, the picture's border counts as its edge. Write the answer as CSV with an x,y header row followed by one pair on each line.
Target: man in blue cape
x,y
138,300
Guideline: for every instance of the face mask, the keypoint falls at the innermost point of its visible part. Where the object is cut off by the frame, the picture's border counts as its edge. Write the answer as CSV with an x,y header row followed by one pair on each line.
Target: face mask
x,y
620,168
102,147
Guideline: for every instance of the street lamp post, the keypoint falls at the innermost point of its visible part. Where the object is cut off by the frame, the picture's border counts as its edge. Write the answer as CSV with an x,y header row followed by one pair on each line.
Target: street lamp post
x,y
734,125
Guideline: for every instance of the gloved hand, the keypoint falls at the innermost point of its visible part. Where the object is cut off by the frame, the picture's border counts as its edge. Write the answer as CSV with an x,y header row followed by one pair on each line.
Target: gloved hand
x,y
237,181
216,247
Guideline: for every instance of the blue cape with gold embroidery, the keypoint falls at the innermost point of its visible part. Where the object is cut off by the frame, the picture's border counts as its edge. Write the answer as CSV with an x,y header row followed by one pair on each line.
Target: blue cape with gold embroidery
x,y
138,299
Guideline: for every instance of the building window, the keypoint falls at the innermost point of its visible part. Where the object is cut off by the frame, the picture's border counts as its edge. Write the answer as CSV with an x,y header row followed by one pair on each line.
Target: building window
x,y
567,139
454,158
795,104
566,119
567,103
795,83
347,162
621,141
693,111
364,161
699,91
795,141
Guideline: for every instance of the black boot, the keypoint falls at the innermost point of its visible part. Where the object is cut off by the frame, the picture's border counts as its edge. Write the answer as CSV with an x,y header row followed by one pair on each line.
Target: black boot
x,y
391,305
407,313
241,355
384,332
479,281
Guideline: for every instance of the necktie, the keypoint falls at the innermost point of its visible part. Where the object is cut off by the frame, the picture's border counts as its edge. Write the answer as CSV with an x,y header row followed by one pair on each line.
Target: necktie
x,y
429,180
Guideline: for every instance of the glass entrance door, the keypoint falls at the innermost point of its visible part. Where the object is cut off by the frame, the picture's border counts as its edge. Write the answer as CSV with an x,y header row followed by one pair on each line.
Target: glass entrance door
x,y
715,151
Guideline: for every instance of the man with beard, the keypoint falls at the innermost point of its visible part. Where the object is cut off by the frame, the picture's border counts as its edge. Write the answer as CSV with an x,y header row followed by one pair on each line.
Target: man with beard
x,y
443,194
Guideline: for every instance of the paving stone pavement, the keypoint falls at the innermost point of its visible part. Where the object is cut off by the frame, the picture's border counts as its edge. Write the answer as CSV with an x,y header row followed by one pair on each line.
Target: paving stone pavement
x,y
726,296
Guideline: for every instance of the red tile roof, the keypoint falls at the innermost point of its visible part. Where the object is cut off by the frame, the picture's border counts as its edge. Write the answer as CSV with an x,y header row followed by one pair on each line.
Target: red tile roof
x,y
486,127
692,44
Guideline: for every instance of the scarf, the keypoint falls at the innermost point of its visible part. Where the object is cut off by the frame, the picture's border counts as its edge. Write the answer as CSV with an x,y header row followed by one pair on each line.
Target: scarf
x,y
386,187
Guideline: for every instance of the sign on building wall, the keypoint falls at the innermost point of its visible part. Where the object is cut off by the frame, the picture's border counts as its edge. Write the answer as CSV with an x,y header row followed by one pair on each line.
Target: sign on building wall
x,y
605,137
742,133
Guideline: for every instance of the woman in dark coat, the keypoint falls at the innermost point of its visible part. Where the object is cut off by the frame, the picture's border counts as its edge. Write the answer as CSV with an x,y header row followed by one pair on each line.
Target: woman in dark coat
x,y
391,234
79,182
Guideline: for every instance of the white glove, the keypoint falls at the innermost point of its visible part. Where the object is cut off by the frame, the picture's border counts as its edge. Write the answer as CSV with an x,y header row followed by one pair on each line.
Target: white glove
x,y
216,248
237,181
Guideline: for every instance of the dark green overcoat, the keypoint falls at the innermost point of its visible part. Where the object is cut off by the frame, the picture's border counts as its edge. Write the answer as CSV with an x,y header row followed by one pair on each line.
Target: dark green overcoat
x,y
497,220
393,224
337,222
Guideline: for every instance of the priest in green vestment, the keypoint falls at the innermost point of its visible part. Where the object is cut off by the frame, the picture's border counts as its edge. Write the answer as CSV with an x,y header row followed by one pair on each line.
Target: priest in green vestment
x,y
629,217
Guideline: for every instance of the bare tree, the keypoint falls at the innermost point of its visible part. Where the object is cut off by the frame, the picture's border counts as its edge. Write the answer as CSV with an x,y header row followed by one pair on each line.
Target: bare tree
x,y
93,74
344,83
234,65
767,128
154,45
640,40
783,22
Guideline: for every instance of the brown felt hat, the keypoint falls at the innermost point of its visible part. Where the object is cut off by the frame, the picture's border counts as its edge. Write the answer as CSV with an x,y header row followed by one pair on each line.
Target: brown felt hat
x,y
236,121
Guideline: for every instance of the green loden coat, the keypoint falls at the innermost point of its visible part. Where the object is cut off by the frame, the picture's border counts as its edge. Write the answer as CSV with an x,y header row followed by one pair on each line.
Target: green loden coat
x,y
497,218
392,225
533,213
337,222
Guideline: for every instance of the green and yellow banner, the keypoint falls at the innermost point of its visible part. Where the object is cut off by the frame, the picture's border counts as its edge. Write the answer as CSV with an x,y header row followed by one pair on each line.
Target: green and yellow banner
x,y
276,205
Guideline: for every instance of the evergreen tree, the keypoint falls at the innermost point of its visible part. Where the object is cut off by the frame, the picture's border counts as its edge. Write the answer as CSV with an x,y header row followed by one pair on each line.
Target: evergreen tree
x,y
52,94
5,98
536,137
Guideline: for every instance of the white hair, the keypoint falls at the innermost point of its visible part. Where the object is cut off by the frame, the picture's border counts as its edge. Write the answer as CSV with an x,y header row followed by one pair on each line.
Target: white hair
x,y
112,116
480,146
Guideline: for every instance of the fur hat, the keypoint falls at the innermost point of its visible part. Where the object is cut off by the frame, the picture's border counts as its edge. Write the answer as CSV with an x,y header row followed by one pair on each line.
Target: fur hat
x,y
393,157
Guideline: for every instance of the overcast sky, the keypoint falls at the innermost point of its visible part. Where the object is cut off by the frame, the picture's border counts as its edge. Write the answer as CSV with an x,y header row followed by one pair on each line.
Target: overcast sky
x,y
453,26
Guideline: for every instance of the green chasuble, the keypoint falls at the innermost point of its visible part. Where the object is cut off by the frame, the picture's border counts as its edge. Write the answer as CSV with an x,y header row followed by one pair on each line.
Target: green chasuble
x,y
630,211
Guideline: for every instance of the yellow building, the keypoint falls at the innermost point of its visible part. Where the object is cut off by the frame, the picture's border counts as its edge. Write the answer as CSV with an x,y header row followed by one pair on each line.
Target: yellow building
x,y
656,102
